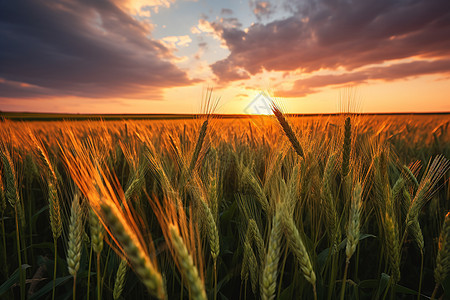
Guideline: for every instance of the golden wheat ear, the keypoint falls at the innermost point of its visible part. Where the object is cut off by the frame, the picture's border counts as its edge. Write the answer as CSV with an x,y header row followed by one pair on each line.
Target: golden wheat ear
x,y
287,129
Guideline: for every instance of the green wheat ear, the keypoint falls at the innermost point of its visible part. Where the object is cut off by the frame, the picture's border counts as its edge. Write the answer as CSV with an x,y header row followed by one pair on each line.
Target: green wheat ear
x,y
97,232
297,247
188,269
139,260
75,237
54,210
270,271
443,257
354,222
12,193
346,147
120,279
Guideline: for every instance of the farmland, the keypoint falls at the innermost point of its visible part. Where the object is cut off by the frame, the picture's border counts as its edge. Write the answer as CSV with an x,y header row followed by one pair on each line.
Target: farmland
x,y
274,207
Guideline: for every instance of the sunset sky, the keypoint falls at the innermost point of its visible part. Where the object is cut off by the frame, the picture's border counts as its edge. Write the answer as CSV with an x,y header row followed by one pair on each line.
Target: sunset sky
x,y
159,56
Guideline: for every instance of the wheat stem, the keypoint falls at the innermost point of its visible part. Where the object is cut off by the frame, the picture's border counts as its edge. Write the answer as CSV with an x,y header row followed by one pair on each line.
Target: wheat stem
x,y
55,263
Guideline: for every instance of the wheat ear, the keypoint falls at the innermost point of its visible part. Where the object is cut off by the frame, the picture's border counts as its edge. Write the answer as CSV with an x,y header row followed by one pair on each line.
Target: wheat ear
x,y
120,279
269,275
139,260
187,267
352,231
329,203
346,147
12,193
75,238
54,210
97,231
354,222
249,178
213,233
198,145
55,223
392,246
2,196
287,130
136,184
410,176
297,247
255,235
249,264
443,256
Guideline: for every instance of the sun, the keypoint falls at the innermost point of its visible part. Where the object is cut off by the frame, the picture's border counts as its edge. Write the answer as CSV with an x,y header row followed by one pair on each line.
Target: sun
x,y
260,104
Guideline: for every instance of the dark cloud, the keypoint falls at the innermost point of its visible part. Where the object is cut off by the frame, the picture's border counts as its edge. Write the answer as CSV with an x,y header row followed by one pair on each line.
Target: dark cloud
x,y
338,34
262,8
310,85
82,48
229,23
202,48
229,72
12,89
226,11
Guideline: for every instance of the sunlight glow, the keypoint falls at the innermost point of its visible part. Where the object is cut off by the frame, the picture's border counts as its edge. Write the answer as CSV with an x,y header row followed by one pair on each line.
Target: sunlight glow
x,y
260,104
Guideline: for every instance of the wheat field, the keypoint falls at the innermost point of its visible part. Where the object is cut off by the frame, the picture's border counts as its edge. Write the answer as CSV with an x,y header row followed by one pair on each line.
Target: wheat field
x,y
274,207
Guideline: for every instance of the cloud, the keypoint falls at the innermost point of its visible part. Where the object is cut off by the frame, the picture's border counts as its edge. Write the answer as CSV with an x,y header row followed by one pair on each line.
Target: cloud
x,y
312,84
261,8
143,7
177,41
335,35
226,11
202,47
83,48
204,26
